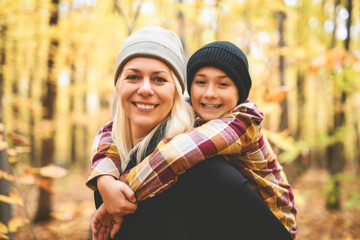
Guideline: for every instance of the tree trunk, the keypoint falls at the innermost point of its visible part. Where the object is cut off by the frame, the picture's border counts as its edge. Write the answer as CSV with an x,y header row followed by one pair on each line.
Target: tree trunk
x,y
289,168
73,145
336,154
48,141
284,122
34,159
217,23
182,27
5,208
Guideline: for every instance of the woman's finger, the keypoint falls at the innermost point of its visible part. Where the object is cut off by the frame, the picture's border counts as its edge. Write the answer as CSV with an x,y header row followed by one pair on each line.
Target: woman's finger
x,y
117,221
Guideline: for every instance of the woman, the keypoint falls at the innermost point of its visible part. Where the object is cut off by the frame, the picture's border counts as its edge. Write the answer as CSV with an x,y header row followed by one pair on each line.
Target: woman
x,y
203,204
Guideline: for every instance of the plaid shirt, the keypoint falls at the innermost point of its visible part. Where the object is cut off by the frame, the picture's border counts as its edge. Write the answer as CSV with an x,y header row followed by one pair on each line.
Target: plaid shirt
x,y
237,135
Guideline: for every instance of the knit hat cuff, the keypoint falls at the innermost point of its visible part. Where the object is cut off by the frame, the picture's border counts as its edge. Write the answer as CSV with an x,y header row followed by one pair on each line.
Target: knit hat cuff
x,y
153,50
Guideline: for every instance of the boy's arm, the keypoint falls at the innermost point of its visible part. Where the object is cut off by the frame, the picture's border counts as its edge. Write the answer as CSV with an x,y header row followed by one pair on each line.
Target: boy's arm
x,y
104,157
227,135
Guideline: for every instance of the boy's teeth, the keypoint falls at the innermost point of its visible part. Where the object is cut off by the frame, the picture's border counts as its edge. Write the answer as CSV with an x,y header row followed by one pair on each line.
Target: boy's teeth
x,y
146,107
212,106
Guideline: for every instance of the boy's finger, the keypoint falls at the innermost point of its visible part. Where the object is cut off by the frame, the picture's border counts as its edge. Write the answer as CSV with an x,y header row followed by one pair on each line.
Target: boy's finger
x,y
129,194
129,208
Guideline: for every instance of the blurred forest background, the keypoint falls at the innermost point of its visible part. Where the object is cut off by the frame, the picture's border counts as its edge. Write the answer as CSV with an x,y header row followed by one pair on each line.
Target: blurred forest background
x,y
56,89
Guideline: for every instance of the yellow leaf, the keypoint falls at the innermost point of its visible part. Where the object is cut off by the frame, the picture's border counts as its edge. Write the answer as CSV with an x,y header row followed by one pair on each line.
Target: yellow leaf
x,y
27,179
11,152
19,139
10,200
15,223
53,171
3,236
280,94
3,228
3,145
281,140
6,176
16,198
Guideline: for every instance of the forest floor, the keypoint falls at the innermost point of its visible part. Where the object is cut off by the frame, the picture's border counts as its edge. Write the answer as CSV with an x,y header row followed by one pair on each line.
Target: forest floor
x,y
73,208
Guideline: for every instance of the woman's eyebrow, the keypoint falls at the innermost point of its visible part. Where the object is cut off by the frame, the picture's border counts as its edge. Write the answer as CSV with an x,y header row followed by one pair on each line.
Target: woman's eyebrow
x,y
160,72
132,69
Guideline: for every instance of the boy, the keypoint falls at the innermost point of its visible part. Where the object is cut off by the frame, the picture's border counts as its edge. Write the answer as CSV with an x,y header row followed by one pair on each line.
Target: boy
x,y
219,83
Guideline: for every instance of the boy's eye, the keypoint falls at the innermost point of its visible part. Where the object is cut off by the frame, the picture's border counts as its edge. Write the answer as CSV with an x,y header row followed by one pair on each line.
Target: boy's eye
x,y
200,82
223,84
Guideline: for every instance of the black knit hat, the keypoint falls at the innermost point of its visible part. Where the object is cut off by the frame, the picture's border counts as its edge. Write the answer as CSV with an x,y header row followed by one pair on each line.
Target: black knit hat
x,y
227,57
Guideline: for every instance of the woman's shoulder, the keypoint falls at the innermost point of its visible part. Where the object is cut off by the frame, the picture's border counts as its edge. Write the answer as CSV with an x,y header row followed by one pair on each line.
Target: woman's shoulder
x,y
107,127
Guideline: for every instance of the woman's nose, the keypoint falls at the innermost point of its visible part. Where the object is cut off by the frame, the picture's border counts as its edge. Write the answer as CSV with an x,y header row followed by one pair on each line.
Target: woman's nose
x,y
146,88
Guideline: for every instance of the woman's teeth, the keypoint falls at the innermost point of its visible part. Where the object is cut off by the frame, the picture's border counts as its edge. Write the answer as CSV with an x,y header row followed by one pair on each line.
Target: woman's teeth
x,y
211,106
145,107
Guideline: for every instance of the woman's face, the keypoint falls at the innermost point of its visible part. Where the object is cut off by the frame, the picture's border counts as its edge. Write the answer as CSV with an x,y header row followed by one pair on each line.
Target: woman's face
x,y
146,91
213,93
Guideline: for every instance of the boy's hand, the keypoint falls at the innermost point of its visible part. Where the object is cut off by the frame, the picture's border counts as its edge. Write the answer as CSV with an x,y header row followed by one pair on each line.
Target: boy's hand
x,y
118,197
101,224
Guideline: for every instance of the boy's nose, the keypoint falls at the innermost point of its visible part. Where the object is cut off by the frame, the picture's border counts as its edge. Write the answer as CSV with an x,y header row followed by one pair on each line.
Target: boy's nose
x,y
146,88
210,92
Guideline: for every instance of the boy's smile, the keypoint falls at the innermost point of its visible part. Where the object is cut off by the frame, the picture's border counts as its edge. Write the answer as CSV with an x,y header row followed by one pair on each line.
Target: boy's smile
x,y
213,93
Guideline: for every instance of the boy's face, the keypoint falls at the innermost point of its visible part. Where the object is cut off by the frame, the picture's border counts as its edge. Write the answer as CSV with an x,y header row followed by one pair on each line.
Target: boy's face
x,y
213,93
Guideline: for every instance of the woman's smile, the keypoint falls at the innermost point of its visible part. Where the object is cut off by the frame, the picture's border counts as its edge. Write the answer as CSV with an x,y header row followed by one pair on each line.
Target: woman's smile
x,y
145,106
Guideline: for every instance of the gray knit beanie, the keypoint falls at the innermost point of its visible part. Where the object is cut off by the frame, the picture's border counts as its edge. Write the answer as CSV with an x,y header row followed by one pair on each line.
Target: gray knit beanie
x,y
227,57
154,42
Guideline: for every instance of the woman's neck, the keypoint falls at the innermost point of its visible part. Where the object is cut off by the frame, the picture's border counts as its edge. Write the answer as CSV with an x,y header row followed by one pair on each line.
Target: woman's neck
x,y
138,133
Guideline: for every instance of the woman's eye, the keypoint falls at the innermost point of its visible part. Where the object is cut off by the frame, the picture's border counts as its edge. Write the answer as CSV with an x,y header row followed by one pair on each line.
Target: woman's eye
x,y
132,77
160,80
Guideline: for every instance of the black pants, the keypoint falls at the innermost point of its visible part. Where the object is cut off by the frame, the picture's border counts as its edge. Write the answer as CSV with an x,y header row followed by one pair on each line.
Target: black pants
x,y
210,201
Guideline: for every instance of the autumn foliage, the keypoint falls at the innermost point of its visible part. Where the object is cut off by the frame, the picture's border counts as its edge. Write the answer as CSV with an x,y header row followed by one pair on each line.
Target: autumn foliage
x,y
56,90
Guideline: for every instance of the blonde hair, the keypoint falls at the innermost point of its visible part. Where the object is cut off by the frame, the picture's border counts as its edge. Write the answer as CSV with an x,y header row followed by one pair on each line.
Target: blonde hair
x,y
179,120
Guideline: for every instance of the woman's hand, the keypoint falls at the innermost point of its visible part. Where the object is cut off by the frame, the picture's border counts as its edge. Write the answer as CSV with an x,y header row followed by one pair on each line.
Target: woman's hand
x,y
118,197
104,224
101,224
